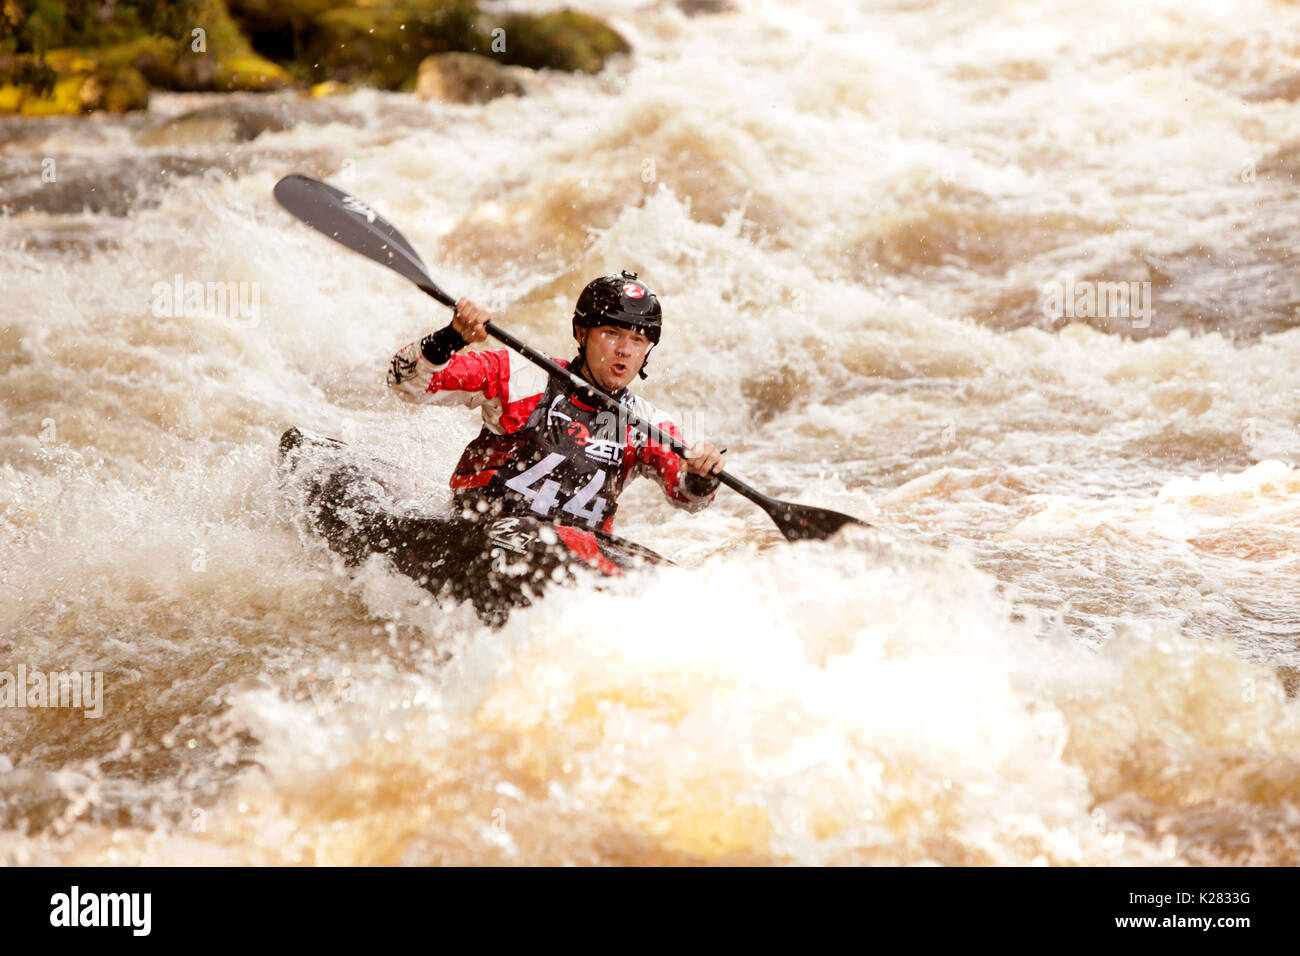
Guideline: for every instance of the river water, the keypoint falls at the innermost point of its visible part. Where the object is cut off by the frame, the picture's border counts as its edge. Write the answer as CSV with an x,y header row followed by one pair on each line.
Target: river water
x,y
889,239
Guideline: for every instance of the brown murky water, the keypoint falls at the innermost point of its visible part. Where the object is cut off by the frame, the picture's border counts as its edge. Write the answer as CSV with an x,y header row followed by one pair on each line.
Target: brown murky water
x,y
1015,281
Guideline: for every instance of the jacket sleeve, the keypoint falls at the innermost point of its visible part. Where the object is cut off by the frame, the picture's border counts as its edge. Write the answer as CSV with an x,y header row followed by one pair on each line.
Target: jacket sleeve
x,y
686,491
472,378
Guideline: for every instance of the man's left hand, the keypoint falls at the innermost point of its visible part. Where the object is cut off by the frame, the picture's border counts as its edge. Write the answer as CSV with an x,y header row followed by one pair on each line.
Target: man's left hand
x,y
704,458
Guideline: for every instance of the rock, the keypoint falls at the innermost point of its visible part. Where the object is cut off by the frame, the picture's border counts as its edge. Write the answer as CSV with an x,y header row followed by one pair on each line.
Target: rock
x,y
193,45
68,84
236,121
250,72
27,71
186,45
164,62
328,88
696,8
63,99
233,45
566,40
464,78
155,57
195,73
117,91
384,46
22,77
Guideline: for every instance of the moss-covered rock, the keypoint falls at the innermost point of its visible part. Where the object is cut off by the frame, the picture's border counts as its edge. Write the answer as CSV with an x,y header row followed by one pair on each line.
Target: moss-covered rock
x,y
37,26
116,90
190,45
464,78
383,45
252,73
157,58
154,56
28,72
236,66
257,45
29,80
329,88
163,61
63,100
565,40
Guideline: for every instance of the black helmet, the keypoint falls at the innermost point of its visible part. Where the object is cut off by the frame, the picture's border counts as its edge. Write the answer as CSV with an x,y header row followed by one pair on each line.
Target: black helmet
x,y
622,300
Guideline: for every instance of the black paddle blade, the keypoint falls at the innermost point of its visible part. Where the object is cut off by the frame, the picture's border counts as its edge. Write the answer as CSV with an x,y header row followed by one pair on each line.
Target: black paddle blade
x,y
806,523
349,221
796,522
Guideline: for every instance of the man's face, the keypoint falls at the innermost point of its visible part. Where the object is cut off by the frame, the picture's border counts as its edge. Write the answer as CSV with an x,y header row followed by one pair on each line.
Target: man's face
x,y
614,355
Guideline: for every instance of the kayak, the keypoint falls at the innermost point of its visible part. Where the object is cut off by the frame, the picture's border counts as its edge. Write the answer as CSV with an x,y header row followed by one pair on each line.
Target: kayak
x,y
495,562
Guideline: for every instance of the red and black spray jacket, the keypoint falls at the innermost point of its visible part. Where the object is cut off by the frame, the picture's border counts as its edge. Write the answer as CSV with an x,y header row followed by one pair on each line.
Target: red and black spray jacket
x,y
543,451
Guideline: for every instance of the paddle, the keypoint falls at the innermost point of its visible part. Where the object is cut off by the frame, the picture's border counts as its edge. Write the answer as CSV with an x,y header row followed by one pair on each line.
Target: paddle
x,y
351,222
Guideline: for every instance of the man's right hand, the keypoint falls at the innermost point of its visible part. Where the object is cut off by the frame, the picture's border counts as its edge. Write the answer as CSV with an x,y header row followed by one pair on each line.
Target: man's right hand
x,y
469,320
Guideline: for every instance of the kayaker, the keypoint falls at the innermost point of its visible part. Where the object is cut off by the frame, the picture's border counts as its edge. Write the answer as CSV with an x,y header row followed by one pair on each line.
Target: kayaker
x,y
543,450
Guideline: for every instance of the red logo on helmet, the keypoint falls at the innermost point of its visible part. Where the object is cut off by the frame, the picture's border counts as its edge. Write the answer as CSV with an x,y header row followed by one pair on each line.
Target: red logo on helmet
x,y
633,290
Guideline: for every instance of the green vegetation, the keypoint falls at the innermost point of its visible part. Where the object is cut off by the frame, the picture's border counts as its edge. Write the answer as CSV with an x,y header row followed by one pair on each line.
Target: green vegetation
x,y
72,56
383,45
560,41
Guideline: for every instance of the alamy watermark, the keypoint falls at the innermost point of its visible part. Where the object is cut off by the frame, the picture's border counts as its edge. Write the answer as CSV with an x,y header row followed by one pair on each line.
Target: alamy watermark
x,y
237,302
75,908
1085,299
79,690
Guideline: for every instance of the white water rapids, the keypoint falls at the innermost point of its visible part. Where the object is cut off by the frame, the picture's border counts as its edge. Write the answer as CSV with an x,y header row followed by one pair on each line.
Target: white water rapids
x,y
1071,643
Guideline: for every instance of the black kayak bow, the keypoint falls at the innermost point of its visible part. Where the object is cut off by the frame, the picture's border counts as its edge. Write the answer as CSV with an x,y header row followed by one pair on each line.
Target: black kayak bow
x,y
353,223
